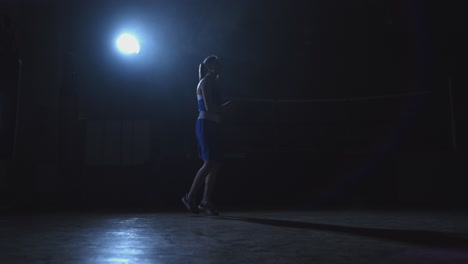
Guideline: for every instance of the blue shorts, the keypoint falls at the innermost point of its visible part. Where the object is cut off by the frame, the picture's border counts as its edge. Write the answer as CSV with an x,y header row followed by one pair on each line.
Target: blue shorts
x,y
209,136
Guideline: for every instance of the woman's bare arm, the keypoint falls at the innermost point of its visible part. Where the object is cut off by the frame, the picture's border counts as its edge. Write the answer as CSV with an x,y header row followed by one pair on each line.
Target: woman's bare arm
x,y
207,96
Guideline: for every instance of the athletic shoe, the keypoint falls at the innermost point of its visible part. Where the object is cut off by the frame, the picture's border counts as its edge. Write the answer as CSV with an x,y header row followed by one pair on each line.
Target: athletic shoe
x,y
189,204
207,208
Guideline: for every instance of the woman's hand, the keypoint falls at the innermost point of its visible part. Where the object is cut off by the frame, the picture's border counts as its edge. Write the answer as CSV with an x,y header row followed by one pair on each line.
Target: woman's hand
x,y
229,106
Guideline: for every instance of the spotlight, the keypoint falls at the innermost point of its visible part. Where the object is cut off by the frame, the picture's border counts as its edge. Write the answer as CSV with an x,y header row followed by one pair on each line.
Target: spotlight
x,y
128,44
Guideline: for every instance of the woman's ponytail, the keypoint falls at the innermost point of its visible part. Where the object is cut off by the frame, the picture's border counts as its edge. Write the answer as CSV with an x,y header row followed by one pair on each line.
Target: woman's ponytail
x,y
202,71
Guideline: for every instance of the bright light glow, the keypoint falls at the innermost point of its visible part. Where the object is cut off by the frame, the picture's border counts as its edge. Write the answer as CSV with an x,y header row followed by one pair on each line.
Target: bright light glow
x,y
128,44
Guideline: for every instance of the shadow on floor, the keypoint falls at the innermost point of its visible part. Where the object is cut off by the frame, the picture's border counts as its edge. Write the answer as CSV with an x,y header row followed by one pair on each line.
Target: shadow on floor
x,y
419,237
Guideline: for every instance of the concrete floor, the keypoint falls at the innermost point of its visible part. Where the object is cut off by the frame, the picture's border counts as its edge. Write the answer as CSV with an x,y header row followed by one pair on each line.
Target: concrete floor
x,y
236,237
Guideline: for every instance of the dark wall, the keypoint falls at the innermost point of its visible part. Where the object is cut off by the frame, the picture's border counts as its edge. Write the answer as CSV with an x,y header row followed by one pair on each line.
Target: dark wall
x,y
33,169
96,128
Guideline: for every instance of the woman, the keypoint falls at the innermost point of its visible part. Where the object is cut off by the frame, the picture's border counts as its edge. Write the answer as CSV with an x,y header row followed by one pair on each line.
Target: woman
x,y
209,135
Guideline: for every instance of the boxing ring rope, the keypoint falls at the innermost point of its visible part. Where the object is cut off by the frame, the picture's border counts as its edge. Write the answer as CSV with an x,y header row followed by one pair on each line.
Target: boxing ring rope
x,y
350,99
347,100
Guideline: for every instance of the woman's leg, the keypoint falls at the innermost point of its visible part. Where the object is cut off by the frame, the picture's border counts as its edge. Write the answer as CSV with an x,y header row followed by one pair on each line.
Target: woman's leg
x,y
209,183
202,174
